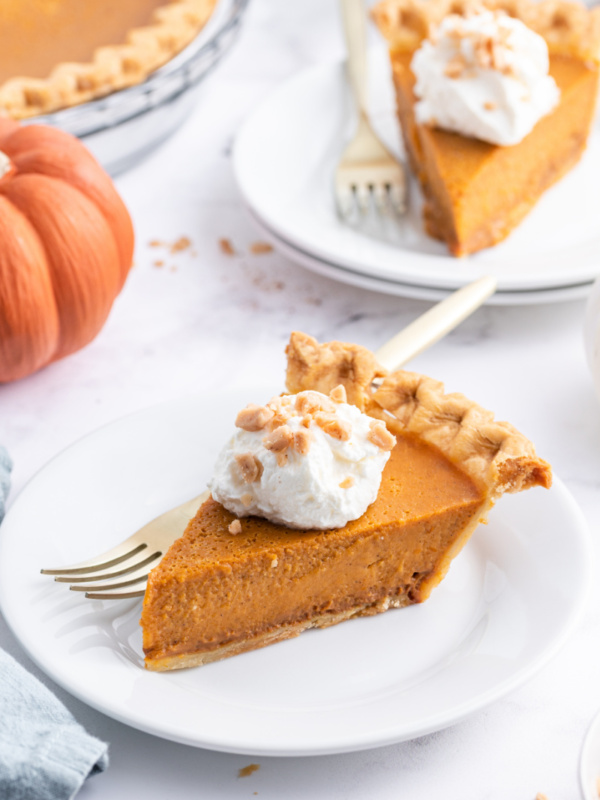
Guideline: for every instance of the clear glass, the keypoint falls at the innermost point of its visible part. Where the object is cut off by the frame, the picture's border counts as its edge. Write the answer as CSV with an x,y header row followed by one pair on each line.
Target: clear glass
x,y
124,127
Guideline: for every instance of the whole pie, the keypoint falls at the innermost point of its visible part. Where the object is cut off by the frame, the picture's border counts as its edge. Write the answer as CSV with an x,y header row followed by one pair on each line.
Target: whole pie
x,y
58,53
228,586
476,193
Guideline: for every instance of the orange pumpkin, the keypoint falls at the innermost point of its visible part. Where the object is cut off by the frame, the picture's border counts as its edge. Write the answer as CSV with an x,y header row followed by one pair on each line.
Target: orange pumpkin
x,y
66,246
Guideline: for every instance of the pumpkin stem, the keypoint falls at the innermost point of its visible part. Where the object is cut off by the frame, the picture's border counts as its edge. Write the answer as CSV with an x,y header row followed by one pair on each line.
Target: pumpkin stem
x,y
5,164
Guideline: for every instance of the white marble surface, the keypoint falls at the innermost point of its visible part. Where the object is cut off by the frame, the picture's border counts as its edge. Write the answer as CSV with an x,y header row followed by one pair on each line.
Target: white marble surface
x,y
206,319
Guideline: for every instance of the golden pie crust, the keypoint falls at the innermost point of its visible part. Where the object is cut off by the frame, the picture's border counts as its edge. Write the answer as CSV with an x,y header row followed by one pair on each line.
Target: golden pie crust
x,y
115,65
216,594
569,28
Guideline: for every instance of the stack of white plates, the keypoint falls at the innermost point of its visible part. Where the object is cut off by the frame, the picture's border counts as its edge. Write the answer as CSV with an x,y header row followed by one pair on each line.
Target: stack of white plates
x,y
284,160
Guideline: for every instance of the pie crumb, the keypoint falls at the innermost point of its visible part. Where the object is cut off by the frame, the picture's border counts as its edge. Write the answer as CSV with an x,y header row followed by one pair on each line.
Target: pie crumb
x,y
258,248
540,796
274,563
235,527
244,772
181,244
226,247
489,106
159,263
347,482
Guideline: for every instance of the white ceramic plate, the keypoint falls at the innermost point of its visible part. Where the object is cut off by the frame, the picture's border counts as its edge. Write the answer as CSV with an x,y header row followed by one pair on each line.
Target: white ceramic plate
x,y
508,603
560,294
589,767
284,159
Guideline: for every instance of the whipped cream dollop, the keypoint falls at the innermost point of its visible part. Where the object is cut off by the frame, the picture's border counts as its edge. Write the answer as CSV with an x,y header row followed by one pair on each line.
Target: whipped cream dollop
x,y
305,461
484,75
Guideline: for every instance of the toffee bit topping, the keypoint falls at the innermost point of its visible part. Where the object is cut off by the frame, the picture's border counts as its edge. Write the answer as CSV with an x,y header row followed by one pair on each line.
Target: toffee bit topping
x,y
490,52
338,395
253,417
332,426
455,67
279,440
302,440
282,411
380,436
250,467
280,418
246,500
489,105
235,527
347,482
311,402
305,421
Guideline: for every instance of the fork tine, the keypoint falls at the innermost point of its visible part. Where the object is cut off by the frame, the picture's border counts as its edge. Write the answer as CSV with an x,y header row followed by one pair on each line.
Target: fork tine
x,y
100,576
110,558
344,197
397,196
107,587
381,199
117,595
362,193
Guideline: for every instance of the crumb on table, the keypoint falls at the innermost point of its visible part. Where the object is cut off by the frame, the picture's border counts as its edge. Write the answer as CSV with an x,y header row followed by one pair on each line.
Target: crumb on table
x,y
245,771
181,244
226,247
257,248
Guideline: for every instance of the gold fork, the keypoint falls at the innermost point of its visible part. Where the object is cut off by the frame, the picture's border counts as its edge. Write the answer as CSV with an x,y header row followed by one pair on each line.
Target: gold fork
x,y
367,171
130,561
127,565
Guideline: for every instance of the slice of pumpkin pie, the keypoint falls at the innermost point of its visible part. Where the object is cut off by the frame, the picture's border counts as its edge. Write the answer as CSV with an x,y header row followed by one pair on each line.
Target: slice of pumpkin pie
x,y
496,99
349,496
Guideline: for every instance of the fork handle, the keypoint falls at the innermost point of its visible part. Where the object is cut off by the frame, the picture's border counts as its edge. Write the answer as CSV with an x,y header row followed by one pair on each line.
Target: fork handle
x,y
435,323
355,30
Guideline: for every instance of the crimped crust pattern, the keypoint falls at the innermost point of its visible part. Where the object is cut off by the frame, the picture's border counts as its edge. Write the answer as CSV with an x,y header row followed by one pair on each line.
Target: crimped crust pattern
x,y
494,454
568,27
322,367
113,67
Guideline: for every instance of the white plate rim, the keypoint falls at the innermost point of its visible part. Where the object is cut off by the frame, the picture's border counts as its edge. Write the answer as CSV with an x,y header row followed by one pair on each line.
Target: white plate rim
x,y
337,272
166,730
589,763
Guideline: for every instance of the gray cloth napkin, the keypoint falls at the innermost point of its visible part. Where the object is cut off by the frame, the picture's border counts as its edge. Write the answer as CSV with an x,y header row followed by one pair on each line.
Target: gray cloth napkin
x,y
44,753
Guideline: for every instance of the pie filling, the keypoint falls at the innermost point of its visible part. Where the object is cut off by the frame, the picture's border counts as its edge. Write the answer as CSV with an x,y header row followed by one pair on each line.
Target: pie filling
x,y
36,35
